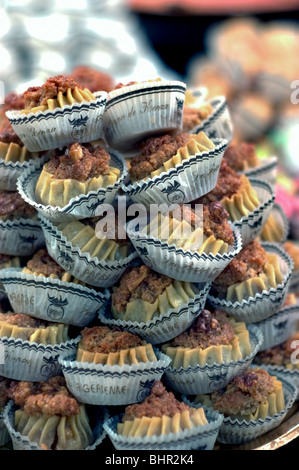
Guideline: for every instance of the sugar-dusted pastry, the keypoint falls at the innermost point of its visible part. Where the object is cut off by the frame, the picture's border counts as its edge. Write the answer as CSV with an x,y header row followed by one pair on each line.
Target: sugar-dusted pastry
x,y
214,337
102,345
143,294
251,272
78,170
159,414
48,414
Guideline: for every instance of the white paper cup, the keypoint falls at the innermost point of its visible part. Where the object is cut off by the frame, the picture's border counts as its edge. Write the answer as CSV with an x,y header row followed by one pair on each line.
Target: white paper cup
x,y
278,327
250,226
193,178
23,443
219,124
282,221
82,266
51,299
79,207
21,237
10,172
262,305
199,437
177,263
98,384
45,130
31,361
211,377
136,112
267,171
165,326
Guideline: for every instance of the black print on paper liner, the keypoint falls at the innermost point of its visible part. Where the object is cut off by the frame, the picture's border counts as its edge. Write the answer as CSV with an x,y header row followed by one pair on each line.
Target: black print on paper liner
x,y
174,194
56,308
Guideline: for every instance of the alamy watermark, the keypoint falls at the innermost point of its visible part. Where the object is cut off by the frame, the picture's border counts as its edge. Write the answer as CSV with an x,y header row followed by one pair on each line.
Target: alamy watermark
x,y
2,359
295,94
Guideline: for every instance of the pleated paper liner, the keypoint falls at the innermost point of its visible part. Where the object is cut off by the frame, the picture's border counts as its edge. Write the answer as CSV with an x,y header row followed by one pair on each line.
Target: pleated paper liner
x,y
277,227
198,437
250,226
278,327
21,237
177,263
81,265
294,282
274,87
262,305
79,207
189,180
31,361
234,431
21,442
138,111
195,380
10,172
52,299
266,171
45,130
291,375
164,326
219,124
98,384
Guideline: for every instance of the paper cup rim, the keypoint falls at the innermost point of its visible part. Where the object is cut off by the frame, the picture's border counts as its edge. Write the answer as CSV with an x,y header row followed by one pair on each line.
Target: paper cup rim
x,y
278,250
140,186
214,419
130,90
267,164
38,347
54,232
218,109
74,202
10,407
90,368
255,335
162,318
273,369
236,248
16,115
33,279
288,310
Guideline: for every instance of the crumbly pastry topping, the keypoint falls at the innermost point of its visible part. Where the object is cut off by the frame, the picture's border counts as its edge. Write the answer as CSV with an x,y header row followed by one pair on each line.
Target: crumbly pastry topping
x,y
80,162
139,283
13,206
248,263
244,393
279,355
159,403
154,152
23,321
92,79
100,339
4,385
13,101
8,136
44,398
39,95
228,184
44,264
214,220
209,329
5,258
238,154
194,116
121,85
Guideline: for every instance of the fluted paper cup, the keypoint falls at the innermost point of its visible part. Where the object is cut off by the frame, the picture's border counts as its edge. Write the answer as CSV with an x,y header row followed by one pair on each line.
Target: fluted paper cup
x,y
79,207
21,442
98,384
198,437
266,171
52,299
10,172
52,129
21,237
193,178
262,305
165,326
138,111
278,234
211,377
177,263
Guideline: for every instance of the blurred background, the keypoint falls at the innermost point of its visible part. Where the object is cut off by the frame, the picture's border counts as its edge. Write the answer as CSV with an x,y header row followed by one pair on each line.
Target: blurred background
x,y
246,50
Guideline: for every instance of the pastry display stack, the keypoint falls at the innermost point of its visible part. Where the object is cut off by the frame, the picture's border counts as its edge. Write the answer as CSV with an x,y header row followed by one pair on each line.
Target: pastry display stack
x,y
151,279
